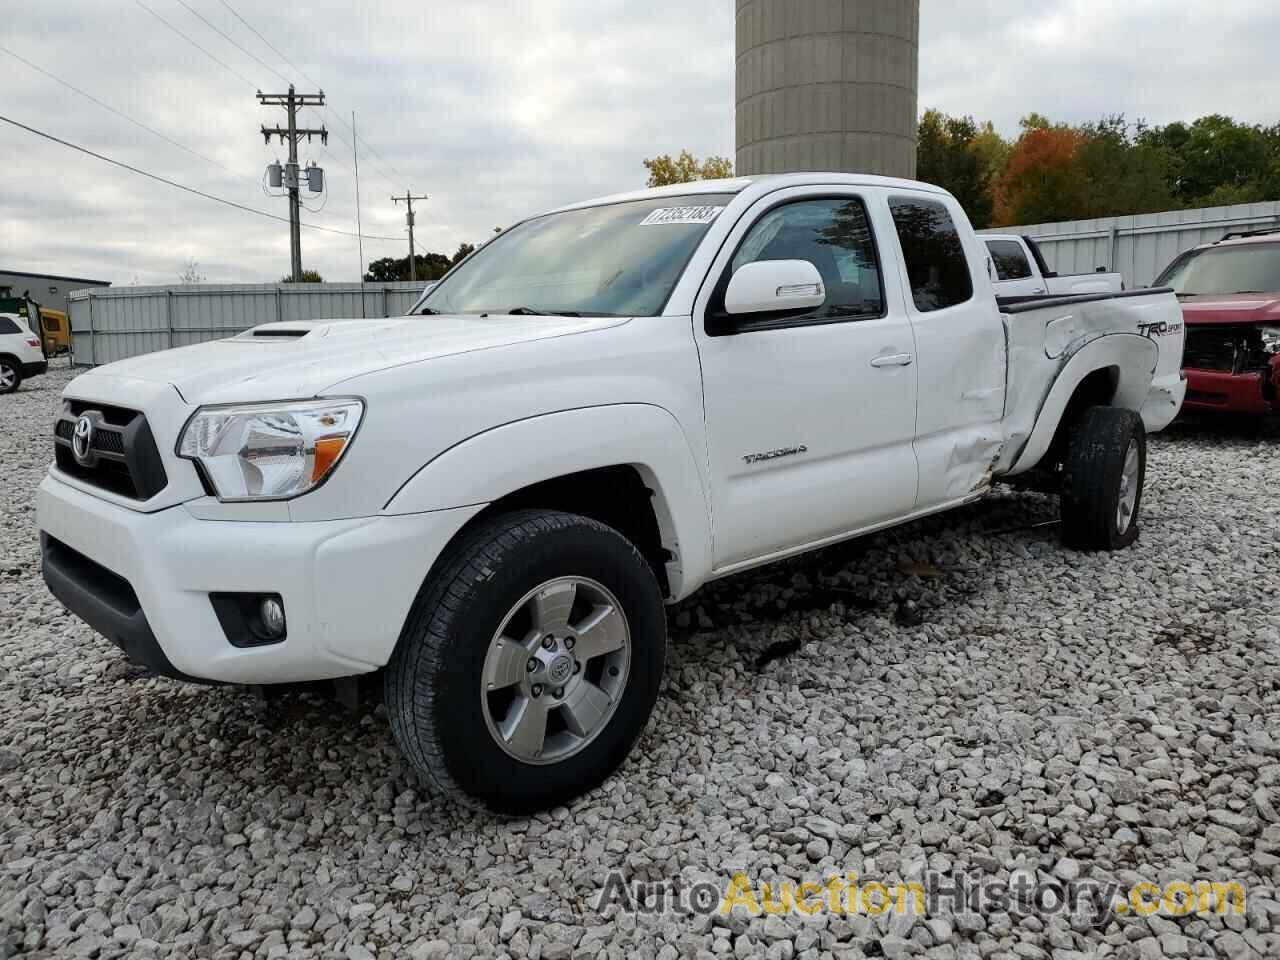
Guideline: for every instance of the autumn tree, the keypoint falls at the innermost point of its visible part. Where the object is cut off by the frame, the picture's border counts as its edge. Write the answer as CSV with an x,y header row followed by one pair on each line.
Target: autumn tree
x,y
1041,182
686,168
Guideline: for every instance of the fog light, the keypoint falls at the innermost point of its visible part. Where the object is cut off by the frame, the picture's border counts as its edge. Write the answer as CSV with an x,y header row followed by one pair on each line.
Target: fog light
x,y
250,619
271,612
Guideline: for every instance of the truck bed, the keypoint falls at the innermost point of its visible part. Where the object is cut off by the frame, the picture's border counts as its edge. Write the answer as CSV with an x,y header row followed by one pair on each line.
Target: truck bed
x,y
1044,333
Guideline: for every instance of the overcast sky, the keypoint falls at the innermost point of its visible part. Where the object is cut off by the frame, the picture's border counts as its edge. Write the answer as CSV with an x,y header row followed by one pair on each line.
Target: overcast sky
x,y
495,109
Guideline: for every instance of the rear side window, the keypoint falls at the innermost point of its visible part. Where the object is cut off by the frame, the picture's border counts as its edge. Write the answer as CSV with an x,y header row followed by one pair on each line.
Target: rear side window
x,y
1011,263
8,326
936,265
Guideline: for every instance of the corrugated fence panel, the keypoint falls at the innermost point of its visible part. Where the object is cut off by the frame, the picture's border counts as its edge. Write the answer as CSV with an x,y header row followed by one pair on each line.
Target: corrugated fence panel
x,y
1141,246
113,323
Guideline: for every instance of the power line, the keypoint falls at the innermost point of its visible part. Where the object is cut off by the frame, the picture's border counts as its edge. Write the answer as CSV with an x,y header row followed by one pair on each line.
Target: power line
x,y
234,72
231,70
183,186
196,13
379,173
250,83
119,113
383,161
272,47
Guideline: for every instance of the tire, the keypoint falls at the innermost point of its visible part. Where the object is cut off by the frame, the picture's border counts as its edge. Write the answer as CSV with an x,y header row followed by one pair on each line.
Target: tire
x,y
462,675
10,376
1102,484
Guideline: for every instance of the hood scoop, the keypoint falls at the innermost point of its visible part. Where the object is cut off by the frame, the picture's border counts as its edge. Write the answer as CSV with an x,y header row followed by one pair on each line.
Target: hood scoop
x,y
280,333
282,330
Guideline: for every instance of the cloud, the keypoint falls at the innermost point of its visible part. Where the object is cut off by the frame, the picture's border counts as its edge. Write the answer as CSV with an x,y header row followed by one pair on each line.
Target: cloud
x,y
496,110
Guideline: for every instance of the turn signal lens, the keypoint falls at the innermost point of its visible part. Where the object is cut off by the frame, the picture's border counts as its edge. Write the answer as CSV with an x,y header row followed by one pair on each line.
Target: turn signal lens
x,y
328,450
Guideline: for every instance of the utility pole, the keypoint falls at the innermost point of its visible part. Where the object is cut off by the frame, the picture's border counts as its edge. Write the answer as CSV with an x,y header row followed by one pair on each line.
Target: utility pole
x,y
408,198
292,101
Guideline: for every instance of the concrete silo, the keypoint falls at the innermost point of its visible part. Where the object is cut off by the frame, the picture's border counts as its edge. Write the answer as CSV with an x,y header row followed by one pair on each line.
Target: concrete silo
x,y
827,85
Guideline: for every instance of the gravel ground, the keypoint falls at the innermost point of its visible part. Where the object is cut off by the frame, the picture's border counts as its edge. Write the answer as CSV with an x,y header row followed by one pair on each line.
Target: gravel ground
x,y
960,697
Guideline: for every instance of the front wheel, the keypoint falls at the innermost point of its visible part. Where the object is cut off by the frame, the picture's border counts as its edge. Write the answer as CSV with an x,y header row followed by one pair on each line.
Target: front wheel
x,y
10,376
529,663
1102,484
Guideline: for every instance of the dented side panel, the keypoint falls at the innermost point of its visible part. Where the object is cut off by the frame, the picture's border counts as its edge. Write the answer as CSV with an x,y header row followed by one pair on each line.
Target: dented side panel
x,y
1053,348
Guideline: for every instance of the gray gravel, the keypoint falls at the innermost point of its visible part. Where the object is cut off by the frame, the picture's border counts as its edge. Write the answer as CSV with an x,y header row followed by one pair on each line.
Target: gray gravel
x,y
959,697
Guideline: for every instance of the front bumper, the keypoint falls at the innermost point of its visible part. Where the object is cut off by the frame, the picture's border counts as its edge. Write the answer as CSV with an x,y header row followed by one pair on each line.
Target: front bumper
x,y
1218,392
347,585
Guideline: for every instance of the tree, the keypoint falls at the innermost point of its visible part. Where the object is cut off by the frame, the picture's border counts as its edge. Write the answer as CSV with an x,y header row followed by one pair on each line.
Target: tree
x,y
429,266
992,149
948,155
308,276
191,273
1041,182
686,168
464,250
1124,174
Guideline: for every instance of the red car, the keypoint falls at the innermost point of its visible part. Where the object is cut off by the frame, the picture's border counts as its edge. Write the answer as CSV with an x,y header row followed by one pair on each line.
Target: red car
x,y
1230,294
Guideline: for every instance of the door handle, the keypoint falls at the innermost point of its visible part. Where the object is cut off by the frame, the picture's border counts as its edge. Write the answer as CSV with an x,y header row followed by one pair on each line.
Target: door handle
x,y
893,360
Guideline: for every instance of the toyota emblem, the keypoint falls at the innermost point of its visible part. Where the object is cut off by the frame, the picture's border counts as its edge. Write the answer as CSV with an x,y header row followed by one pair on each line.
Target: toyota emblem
x,y
82,440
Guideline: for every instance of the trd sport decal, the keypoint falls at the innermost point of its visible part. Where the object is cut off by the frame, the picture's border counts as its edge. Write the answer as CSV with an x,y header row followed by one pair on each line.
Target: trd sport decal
x,y
1159,329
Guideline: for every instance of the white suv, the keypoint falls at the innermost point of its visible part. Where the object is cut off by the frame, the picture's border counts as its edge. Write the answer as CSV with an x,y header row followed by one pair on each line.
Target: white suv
x,y
20,353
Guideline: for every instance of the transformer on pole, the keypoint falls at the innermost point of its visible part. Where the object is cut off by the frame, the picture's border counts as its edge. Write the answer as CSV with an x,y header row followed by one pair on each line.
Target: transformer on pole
x,y
290,177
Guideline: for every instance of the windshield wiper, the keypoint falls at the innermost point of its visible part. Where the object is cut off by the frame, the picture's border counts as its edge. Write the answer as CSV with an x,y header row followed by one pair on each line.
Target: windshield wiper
x,y
428,312
530,312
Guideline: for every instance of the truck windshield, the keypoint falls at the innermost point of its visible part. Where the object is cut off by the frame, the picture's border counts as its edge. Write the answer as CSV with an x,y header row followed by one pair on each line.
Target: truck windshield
x,y
616,260
1220,271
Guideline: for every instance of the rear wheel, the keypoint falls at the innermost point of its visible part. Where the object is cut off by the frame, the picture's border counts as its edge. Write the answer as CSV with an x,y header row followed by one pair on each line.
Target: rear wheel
x,y
10,375
530,662
1102,484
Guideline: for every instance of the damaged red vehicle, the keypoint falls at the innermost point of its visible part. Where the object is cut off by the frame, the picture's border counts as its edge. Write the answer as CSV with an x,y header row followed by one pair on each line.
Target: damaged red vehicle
x,y
1230,295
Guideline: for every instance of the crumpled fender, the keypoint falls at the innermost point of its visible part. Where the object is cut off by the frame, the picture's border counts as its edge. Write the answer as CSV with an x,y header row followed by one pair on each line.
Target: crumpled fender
x,y
1131,356
506,458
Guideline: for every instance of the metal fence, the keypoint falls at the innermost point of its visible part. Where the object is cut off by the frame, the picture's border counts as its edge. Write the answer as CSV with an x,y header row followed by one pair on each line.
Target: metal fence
x,y
112,323
1142,245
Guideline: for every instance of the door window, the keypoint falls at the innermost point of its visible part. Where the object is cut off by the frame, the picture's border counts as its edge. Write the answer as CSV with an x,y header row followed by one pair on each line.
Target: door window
x,y
934,254
834,235
1011,263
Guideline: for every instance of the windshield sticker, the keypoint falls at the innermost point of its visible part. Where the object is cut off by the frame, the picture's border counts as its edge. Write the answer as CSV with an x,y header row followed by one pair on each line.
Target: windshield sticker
x,y
669,215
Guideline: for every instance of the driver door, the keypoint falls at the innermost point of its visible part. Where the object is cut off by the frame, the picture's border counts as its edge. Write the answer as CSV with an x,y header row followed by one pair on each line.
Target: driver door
x,y
810,416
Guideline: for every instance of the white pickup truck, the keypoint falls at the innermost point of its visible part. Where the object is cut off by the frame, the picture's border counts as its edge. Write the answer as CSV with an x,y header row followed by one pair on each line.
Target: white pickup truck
x,y
598,411
1020,270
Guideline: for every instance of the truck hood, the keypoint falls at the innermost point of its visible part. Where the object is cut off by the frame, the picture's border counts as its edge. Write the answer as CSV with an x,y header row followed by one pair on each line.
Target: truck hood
x,y
1239,308
279,361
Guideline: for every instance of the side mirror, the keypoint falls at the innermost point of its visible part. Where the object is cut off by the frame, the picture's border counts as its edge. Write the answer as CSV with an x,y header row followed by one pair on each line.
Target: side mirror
x,y
772,285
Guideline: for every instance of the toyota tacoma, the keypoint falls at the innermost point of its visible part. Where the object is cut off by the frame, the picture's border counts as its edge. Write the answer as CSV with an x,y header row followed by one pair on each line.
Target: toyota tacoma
x,y
598,411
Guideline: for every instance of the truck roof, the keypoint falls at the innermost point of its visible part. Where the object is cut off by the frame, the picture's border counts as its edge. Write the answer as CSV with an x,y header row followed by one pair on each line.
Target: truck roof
x,y
771,181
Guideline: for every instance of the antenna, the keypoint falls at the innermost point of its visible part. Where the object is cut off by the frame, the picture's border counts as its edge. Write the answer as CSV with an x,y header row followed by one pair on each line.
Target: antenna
x,y
359,232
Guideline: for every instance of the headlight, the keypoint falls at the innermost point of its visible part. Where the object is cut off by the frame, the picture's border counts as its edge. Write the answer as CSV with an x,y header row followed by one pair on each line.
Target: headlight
x,y
270,451
1271,339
